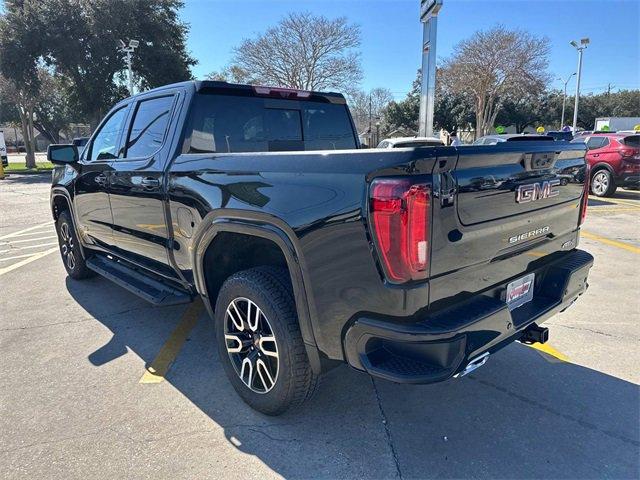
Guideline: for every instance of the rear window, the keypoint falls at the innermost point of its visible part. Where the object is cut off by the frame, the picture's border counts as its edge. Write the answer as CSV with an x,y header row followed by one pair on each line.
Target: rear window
x,y
231,124
632,141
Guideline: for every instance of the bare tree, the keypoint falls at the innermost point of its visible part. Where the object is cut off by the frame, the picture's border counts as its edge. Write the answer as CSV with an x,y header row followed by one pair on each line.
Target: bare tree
x,y
368,109
302,51
495,66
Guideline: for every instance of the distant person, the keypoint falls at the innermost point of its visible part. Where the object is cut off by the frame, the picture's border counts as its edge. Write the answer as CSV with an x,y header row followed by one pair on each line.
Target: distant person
x,y
455,141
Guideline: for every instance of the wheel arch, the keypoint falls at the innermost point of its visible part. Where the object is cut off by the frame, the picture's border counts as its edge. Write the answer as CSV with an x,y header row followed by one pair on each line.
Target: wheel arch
x,y
265,228
601,166
61,201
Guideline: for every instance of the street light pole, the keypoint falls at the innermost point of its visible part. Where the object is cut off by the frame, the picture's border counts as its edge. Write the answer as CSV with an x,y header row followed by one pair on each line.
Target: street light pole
x,y
564,99
128,52
429,17
583,44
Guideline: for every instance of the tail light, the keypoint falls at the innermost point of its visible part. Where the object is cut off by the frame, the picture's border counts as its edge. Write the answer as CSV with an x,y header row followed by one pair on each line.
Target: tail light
x,y
627,152
400,220
585,194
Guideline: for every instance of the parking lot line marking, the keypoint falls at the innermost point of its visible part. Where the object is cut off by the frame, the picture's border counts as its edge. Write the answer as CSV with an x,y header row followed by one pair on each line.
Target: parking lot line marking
x,y
5,242
26,247
32,258
608,241
8,235
6,259
157,370
34,232
613,209
549,350
619,202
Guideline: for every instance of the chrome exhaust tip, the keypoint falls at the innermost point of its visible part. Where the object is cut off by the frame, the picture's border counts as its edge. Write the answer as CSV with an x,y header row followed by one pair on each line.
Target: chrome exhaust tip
x,y
473,365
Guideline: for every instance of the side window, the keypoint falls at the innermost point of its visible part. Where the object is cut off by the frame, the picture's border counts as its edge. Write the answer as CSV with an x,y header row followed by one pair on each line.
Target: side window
x,y
105,142
597,142
148,127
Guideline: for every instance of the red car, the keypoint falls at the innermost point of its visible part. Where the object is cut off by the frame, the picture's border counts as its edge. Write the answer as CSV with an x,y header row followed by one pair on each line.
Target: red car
x,y
614,159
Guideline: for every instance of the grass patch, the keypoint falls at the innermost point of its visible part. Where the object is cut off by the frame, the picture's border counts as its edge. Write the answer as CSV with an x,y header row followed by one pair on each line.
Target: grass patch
x,y
41,167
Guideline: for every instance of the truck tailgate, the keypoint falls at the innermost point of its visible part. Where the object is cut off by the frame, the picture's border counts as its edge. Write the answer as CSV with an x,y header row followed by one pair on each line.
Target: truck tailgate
x,y
501,211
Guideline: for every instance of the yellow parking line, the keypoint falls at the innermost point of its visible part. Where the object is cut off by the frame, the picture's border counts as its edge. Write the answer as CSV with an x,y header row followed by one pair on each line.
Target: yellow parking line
x,y
32,258
549,350
160,366
9,235
608,241
612,209
617,201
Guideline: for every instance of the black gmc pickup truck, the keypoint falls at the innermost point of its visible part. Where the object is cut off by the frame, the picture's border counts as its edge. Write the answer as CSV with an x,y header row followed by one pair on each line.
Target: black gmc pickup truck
x,y
411,264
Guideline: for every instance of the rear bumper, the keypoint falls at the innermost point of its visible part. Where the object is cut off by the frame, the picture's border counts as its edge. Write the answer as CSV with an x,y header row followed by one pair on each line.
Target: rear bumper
x,y
629,180
441,345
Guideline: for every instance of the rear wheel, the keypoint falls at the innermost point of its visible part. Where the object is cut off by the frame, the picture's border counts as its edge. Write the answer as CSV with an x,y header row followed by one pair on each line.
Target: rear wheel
x,y
259,340
72,257
603,183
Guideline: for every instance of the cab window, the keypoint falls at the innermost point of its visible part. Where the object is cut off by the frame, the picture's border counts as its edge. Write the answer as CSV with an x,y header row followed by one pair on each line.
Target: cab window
x,y
149,127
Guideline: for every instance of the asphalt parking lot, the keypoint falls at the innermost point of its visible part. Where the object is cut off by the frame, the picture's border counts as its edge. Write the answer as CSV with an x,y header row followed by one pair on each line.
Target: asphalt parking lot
x,y
94,383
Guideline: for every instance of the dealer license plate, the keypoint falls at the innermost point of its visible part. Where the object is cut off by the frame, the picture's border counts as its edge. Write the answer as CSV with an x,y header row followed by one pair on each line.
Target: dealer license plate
x,y
520,291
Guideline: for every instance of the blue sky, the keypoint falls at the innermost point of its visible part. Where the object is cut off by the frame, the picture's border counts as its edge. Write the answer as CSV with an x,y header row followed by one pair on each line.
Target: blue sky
x,y
392,34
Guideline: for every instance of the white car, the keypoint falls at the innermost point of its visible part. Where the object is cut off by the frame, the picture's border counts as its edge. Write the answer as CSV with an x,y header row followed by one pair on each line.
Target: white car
x,y
408,142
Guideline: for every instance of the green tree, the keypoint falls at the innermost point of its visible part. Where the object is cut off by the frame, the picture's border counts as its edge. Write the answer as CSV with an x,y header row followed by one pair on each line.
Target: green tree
x,y
79,39
403,115
625,103
452,110
526,111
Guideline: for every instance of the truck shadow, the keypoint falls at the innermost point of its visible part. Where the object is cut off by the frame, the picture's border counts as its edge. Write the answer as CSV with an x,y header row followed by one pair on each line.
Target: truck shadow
x,y
522,415
27,179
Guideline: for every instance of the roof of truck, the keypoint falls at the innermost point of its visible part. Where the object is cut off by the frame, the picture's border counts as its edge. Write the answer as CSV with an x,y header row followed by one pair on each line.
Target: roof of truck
x,y
210,86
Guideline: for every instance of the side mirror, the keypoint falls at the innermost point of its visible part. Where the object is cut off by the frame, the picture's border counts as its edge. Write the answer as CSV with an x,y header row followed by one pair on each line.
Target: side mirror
x,y
62,154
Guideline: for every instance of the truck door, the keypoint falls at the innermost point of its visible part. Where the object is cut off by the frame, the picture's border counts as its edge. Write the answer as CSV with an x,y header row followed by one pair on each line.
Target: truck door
x,y
92,208
136,188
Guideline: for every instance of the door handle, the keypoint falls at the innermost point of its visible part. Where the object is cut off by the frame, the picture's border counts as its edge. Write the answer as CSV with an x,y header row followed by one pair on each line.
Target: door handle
x,y
595,155
150,182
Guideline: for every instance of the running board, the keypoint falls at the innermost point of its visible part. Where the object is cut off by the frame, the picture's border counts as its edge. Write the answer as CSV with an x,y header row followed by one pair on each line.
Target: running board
x,y
151,289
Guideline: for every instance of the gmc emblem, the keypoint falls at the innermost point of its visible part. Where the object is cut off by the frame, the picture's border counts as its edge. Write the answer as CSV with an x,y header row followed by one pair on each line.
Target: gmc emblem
x,y
537,191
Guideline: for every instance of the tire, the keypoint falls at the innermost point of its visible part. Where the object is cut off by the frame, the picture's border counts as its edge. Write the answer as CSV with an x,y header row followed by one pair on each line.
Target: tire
x,y
602,183
70,252
270,375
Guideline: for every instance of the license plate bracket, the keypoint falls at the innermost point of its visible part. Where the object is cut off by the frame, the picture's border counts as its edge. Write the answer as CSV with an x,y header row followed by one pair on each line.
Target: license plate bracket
x,y
520,291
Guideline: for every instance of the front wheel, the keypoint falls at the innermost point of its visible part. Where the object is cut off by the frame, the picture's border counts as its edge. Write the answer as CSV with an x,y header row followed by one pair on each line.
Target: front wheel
x,y
259,340
70,252
603,184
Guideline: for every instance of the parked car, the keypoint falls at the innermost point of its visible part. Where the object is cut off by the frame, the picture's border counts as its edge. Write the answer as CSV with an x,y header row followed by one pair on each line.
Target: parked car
x,y
405,142
510,137
3,151
413,265
560,135
614,159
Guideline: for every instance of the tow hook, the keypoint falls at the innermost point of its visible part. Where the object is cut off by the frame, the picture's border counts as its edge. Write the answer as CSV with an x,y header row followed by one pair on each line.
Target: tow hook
x,y
473,365
534,334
